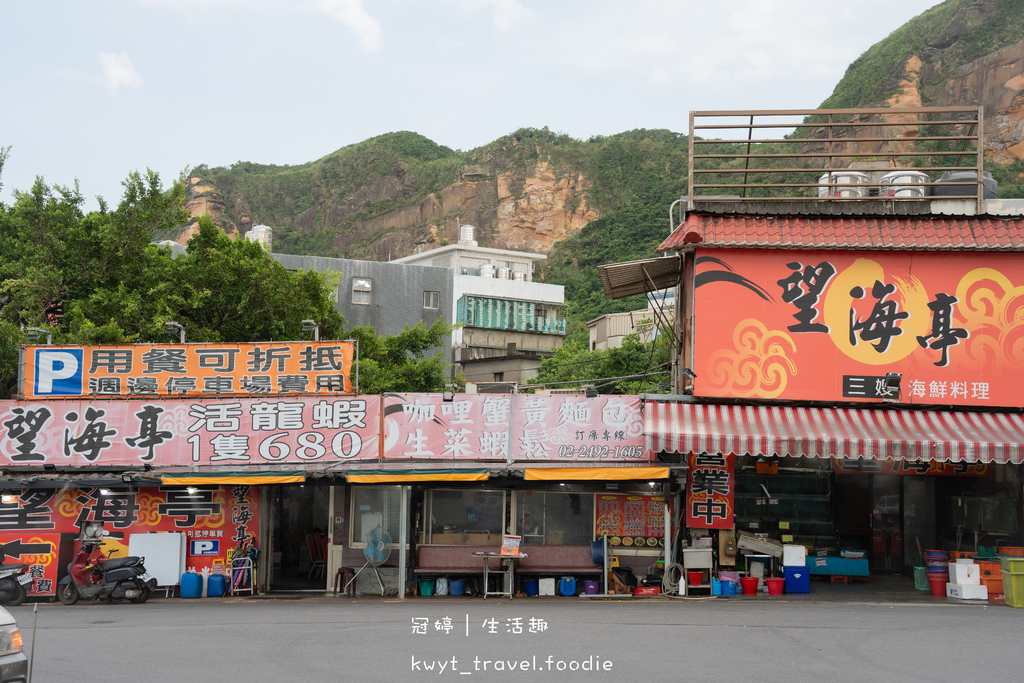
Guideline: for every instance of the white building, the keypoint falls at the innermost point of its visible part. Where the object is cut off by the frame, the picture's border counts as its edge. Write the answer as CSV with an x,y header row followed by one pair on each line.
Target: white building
x,y
509,323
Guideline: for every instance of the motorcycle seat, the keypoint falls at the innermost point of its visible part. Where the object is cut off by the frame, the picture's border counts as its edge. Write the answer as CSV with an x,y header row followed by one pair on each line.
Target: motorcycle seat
x,y
118,562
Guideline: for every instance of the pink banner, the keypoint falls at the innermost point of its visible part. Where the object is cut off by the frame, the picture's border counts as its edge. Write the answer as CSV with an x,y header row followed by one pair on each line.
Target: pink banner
x,y
162,432
567,428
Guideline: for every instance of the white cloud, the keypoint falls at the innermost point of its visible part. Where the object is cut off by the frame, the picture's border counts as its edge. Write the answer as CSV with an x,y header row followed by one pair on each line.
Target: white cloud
x,y
506,14
118,72
352,14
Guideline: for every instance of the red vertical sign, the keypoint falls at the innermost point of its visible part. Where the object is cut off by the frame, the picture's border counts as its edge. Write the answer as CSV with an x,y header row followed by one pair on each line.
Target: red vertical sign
x,y
710,493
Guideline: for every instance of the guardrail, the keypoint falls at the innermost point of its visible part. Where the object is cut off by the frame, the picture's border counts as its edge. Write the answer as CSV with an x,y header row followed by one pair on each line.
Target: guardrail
x,y
821,154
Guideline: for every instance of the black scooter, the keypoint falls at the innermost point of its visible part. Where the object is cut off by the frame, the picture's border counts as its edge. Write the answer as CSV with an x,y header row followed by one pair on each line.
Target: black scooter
x,y
104,577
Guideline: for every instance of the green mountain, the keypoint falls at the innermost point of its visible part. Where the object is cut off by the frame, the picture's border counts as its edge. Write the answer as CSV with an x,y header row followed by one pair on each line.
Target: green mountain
x,y
602,200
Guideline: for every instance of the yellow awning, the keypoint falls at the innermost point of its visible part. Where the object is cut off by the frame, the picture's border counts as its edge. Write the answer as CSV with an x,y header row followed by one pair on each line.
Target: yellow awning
x,y
593,473
377,477
231,479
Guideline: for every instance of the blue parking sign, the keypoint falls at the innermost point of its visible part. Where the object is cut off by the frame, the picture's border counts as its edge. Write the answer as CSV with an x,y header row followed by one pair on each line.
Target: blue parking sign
x,y
205,546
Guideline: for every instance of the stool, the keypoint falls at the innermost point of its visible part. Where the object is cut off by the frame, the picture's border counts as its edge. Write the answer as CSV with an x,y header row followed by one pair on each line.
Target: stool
x,y
346,575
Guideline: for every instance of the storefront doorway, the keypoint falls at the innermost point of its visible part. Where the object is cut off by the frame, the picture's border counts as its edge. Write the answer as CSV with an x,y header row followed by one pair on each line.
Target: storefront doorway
x,y
299,537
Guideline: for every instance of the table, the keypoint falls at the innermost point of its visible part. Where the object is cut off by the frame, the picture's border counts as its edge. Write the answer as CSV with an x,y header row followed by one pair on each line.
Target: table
x,y
507,570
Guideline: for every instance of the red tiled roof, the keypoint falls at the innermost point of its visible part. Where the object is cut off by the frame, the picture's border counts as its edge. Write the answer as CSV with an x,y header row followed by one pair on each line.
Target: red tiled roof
x,y
848,232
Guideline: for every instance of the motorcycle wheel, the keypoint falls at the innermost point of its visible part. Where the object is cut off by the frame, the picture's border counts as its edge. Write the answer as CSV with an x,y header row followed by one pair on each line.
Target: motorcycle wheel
x,y
67,593
142,598
19,596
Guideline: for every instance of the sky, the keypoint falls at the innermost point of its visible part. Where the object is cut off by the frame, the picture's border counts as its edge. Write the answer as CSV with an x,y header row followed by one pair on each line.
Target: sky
x,y
94,89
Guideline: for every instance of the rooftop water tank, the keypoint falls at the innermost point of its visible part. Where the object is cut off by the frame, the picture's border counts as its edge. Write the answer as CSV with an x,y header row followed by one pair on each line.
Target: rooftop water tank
x,y
521,277
846,184
466,235
904,184
487,270
504,273
969,188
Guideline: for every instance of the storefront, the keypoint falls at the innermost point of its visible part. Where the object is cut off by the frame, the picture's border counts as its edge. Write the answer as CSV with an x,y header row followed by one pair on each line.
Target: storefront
x,y
884,482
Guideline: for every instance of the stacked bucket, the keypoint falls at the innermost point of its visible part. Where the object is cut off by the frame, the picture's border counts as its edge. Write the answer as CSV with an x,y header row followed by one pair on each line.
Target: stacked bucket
x,y
937,562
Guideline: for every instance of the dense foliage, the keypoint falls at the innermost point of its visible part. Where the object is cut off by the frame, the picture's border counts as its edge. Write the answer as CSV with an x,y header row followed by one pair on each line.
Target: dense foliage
x,y
633,368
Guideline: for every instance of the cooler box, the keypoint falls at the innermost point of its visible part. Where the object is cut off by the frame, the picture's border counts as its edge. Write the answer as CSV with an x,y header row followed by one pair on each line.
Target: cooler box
x,y
956,590
964,574
798,579
546,586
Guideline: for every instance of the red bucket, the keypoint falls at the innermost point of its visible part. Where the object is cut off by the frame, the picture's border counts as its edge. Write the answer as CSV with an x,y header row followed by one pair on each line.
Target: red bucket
x,y
695,576
938,586
749,584
775,586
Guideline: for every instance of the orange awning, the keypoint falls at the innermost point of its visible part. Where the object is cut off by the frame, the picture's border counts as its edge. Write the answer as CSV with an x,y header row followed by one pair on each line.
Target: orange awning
x,y
593,473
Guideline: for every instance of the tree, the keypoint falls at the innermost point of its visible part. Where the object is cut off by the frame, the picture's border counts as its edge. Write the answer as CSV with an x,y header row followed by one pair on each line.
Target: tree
x,y
399,363
632,368
96,278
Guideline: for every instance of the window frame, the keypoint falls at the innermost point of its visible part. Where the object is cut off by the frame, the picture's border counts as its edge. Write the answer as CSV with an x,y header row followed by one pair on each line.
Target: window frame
x,y
362,286
431,297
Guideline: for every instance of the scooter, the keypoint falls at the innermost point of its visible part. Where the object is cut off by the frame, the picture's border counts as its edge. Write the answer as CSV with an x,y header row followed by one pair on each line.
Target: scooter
x,y
13,581
104,577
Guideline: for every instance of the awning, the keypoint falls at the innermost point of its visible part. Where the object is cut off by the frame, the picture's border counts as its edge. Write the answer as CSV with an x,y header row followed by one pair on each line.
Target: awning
x,y
230,478
593,473
638,277
395,476
945,436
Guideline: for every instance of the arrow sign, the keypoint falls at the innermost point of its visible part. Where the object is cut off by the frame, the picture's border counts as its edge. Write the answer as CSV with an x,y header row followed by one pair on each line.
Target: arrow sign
x,y
16,548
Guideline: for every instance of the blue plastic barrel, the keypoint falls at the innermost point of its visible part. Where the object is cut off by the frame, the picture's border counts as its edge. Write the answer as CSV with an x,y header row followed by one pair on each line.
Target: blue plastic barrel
x,y
531,586
567,586
216,586
456,586
191,585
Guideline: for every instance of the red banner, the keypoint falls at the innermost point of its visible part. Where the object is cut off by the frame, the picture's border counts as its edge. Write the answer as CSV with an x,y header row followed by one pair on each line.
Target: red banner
x,y
219,518
819,325
711,491
628,520
532,428
113,433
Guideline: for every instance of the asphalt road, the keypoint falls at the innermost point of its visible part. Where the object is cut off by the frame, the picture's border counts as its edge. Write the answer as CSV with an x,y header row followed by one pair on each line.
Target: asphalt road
x,y
762,639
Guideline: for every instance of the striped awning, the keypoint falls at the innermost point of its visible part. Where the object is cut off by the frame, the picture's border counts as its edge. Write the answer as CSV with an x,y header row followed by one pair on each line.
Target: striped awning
x,y
940,435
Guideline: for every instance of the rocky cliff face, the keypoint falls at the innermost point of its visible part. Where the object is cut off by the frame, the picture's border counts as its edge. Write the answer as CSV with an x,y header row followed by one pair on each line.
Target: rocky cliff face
x,y
515,208
936,76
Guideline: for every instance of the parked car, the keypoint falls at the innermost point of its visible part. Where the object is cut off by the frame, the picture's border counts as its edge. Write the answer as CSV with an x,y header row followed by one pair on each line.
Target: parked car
x,y
13,662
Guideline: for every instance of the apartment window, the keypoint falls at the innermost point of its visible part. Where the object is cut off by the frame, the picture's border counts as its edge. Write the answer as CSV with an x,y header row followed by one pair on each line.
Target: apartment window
x,y
432,300
361,288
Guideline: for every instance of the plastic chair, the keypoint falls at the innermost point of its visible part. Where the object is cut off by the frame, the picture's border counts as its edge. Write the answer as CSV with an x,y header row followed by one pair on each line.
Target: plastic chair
x,y
317,556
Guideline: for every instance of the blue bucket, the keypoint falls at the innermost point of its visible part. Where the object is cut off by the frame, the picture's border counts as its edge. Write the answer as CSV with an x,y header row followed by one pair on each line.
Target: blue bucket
x,y
728,587
531,586
456,586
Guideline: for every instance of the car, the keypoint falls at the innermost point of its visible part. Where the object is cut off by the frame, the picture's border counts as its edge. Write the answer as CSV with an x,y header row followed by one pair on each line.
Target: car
x,y
13,662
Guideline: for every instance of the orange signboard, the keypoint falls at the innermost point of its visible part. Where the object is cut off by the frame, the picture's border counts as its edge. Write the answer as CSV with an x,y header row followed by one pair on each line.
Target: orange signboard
x,y
187,370
914,327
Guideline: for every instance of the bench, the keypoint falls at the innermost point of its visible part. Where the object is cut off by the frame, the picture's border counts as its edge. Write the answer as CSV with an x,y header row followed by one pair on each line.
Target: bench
x,y
558,559
440,560
453,559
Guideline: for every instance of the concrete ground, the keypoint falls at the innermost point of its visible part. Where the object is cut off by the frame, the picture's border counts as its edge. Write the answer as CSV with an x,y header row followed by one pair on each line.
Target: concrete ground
x,y
878,630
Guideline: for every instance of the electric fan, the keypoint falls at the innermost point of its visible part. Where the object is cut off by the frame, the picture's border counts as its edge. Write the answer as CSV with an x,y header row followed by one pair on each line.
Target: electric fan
x,y
376,551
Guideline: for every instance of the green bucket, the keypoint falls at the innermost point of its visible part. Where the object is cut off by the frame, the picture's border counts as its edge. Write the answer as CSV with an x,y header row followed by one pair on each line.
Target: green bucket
x,y
426,587
921,578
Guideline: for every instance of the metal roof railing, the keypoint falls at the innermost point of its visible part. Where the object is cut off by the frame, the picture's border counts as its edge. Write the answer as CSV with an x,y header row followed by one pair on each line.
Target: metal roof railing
x,y
809,154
